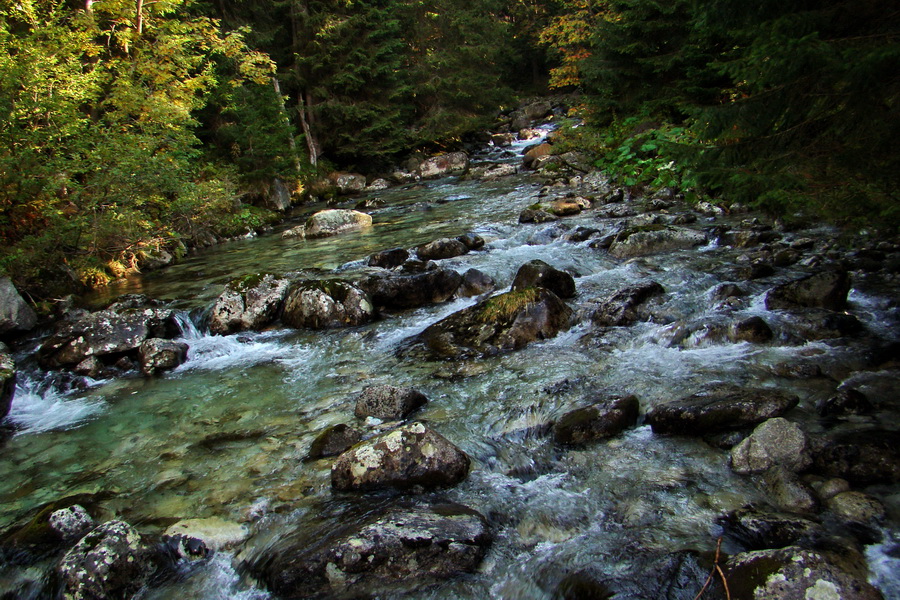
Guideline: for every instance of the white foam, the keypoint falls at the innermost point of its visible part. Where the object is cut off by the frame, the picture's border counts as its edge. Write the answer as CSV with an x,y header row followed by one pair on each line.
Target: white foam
x,y
37,408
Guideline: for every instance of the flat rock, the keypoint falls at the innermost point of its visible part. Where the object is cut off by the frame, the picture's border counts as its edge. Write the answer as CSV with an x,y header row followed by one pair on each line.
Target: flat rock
x,y
760,530
604,419
655,239
217,533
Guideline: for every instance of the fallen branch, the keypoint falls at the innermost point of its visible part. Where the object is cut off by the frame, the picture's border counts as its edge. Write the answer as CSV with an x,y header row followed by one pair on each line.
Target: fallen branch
x,y
716,569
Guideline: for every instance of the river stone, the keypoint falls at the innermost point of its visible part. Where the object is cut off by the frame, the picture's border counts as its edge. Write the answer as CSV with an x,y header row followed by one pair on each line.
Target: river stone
x,y
15,314
348,183
409,456
396,550
112,561
7,380
441,249
388,402
621,307
157,355
753,329
604,419
335,221
472,241
826,289
794,573
845,402
475,283
452,163
333,441
326,304
719,409
71,523
655,239
106,332
215,532
861,457
537,273
566,207
536,215
248,303
389,259
816,324
411,291
535,153
505,322
786,491
760,530
856,507
776,441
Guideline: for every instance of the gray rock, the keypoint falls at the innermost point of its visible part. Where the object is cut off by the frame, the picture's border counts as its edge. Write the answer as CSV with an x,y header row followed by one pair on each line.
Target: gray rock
x,y
112,561
537,110
472,241
534,154
537,273
621,307
248,303
157,355
774,442
333,441
452,163
388,402
856,507
335,221
389,259
411,291
566,207
719,408
348,183
788,492
326,304
7,380
407,457
216,533
476,283
441,249
598,421
826,289
641,242
531,215
862,457
71,523
15,314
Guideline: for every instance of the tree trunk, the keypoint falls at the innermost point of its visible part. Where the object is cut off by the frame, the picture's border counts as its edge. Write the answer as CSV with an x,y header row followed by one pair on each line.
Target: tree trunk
x,y
295,158
305,118
139,16
301,37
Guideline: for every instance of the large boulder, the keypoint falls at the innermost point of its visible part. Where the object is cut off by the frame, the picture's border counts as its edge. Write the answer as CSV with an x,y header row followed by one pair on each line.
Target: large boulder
x,y
506,322
112,561
719,409
335,221
774,442
537,273
106,333
156,355
407,457
15,314
441,249
621,307
654,239
396,550
452,163
412,290
861,457
7,380
827,289
248,303
326,304
388,402
597,421
537,110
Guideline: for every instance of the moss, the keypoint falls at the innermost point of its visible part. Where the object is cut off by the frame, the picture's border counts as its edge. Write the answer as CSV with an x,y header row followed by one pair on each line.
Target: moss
x,y
506,306
337,289
536,206
248,282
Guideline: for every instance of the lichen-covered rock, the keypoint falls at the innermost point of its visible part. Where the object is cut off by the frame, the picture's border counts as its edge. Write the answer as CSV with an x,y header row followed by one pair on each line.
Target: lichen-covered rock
x,y
476,283
389,259
413,290
452,163
326,304
388,402
826,289
71,523
7,380
601,420
248,303
537,273
861,457
655,239
409,456
441,249
333,441
156,355
774,442
112,561
396,550
758,530
502,323
215,532
719,408
15,314
335,221
621,307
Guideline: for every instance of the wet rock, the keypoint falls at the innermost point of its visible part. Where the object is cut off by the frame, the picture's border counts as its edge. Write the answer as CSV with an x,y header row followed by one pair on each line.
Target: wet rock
x,y
788,492
388,402
496,171
581,586
856,507
653,240
580,161
566,207
399,549
537,273
327,304
502,323
112,561
7,380
615,210
535,215
531,156
601,420
725,291
476,283
754,237
335,221
216,533
581,234
441,249
411,291
452,163
333,441
620,308
793,573
753,329
816,324
719,409
861,457
537,110
71,523
379,184
759,530
15,314
472,241
844,402
774,442
407,457
105,333
826,289
829,488
248,304
389,259
156,355
348,183
502,140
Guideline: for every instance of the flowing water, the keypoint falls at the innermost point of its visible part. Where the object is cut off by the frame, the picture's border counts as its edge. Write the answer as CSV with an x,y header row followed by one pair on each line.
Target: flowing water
x,y
225,434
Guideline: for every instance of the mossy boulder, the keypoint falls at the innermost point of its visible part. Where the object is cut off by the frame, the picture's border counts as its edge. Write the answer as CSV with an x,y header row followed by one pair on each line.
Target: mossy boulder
x,y
331,222
326,304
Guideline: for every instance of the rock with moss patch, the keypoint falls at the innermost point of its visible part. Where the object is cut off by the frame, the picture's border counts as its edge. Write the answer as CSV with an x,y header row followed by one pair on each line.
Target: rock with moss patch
x,y
388,402
248,303
411,290
407,457
827,289
622,307
326,304
654,239
601,420
537,273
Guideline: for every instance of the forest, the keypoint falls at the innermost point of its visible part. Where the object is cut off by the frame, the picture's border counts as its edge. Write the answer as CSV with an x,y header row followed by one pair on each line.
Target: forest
x,y
131,127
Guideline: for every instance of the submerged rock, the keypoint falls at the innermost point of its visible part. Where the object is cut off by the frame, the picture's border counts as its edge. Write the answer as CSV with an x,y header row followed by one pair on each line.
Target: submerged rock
x,y
327,304
506,322
333,441
411,291
441,249
388,402
862,457
601,420
248,304
537,273
843,403
776,441
621,307
787,492
827,289
409,456
15,314
719,409
399,549
335,221
856,507
215,533
655,239
157,355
